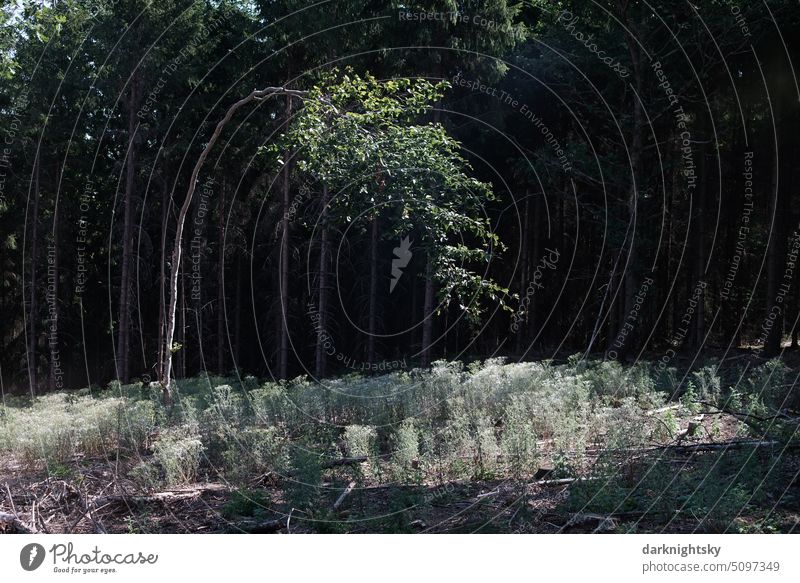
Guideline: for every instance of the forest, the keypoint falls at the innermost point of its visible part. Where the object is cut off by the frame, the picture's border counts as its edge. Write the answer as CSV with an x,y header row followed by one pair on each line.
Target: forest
x,y
382,266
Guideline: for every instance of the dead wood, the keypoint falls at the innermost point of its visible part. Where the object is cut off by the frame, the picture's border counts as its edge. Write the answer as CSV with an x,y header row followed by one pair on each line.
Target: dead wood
x,y
344,495
9,523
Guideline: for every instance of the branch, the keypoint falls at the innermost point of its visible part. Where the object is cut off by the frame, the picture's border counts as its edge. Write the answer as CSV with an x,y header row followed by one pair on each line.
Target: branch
x,y
15,523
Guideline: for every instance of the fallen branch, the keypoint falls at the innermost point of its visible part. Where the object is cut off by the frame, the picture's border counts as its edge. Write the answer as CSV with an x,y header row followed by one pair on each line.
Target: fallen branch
x,y
600,522
344,495
11,522
652,412
263,527
557,482
487,494
166,496
723,446
346,461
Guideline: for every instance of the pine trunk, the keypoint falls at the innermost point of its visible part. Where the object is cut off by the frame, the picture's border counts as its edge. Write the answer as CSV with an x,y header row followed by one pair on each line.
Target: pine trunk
x,y
123,330
33,314
373,290
322,292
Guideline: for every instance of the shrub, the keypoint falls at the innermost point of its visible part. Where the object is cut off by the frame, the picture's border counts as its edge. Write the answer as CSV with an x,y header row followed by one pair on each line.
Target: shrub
x,y
270,404
359,440
707,383
58,426
770,384
138,424
177,452
303,490
518,441
254,451
146,475
246,502
405,454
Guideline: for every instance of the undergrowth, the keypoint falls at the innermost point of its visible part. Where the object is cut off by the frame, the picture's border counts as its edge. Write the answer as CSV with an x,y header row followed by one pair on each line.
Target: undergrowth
x,y
488,420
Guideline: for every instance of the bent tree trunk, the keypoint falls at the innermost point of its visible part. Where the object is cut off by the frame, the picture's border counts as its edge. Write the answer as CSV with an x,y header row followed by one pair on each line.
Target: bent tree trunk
x,y
165,367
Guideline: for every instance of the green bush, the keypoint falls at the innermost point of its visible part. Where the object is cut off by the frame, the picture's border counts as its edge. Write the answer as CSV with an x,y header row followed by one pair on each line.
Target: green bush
x,y
58,426
406,450
254,451
518,441
177,451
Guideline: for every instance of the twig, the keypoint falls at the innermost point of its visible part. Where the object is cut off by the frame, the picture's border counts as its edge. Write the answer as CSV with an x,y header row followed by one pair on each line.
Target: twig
x,y
344,495
11,499
487,494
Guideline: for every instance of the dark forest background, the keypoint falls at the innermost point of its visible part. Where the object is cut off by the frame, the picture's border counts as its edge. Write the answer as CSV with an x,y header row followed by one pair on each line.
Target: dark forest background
x,y
648,189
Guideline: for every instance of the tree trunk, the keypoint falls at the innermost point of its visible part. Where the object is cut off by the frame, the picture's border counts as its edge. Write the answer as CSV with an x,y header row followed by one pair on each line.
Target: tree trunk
x,y
523,275
182,356
322,292
123,330
772,341
631,263
56,382
237,320
162,288
33,314
427,314
283,362
699,324
373,290
221,282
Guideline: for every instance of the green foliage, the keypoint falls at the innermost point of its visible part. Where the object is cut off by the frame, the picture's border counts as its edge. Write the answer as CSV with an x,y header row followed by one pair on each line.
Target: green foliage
x,y
487,420
246,503
708,383
518,441
59,426
177,452
146,476
253,451
770,384
365,140
406,451
303,491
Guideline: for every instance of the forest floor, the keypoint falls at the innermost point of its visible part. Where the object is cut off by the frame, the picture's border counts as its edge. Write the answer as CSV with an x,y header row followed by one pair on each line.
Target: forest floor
x,y
523,448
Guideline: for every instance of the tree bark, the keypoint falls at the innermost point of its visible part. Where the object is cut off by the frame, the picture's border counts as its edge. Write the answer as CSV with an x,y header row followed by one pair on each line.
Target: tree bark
x,y
53,308
322,292
123,330
427,314
775,249
523,275
221,282
33,314
283,362
373,290
631,276
162,287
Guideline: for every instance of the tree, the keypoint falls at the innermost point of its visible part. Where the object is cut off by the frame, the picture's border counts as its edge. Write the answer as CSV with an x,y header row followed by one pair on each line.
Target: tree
x,y
361,138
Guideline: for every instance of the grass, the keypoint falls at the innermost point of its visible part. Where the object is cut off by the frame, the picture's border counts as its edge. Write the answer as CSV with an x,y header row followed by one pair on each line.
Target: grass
x,y
425,429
